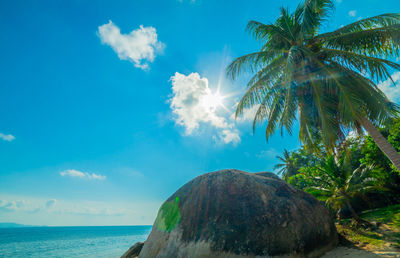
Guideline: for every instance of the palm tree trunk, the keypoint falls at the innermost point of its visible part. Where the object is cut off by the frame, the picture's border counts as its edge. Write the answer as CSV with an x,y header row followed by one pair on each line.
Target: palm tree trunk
x,y
359,220
382,143
353,212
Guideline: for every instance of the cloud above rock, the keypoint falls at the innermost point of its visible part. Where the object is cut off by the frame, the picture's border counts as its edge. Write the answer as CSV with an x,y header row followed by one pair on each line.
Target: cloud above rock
x,y
50,203
192,104
7,137
80,174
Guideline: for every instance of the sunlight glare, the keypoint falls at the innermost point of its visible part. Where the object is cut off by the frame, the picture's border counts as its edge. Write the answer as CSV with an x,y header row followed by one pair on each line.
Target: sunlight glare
x,y
211,101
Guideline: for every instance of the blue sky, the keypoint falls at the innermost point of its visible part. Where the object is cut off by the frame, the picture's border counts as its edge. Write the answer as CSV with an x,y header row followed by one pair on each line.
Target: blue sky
x,y
99,121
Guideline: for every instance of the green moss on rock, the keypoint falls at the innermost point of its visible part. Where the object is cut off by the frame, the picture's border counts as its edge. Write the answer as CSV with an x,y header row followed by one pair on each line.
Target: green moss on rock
x,y
168,216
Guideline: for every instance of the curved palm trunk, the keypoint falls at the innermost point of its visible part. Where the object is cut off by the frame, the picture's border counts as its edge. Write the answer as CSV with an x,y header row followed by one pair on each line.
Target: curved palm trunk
x,y
382,143
359,220
353,212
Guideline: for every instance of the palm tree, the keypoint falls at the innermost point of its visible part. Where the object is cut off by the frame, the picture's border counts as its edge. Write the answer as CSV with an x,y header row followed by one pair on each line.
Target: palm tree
x,y
336,179
327,81
287,168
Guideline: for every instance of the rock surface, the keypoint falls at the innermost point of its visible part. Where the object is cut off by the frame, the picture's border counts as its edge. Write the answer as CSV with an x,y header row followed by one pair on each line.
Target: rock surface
x,y
133,251
231,213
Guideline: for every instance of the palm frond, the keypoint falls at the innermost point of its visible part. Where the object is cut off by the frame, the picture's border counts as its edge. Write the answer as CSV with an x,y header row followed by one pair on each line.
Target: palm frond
x,y
381,41
378,68
269,73
315,13
383,20
319,189
261,31
251,62
322,77
273,114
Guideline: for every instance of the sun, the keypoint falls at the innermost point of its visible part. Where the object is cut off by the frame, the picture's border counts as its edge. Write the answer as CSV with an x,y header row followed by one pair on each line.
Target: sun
x,y
212,100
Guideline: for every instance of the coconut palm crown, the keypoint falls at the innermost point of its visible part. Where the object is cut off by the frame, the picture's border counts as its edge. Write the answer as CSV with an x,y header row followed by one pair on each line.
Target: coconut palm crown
x,y
340,183
287,167
328,81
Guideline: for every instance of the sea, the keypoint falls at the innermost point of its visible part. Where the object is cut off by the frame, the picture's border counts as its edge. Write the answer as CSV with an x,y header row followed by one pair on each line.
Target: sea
x,y
107,241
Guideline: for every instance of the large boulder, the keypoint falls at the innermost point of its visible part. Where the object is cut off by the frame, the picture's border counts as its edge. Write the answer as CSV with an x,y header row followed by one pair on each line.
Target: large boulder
x,y
231,213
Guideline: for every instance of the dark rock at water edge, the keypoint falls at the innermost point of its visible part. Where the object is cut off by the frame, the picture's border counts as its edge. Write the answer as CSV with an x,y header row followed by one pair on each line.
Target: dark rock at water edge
x,y
231,213
133,251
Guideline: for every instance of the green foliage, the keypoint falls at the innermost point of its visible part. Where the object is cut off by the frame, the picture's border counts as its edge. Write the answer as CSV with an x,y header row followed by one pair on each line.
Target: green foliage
x,y
303,179
335,181
359,174
287,168
390,214
371,154
292,162
394,138
319,78
387,235
394,134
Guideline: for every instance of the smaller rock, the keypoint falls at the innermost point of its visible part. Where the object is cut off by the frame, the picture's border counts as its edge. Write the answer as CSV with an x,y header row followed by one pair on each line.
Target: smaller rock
x,y
134,251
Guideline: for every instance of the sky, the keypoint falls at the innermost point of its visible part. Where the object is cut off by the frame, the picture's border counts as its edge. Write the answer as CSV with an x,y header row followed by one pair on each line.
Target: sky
x,y
108,107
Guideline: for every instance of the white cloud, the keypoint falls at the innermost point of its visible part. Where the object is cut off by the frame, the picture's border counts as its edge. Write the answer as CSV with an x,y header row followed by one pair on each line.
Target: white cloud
x,y
81,210
247,115
188,93
80,174
230,136
11,205
25,205
353,13
140,46
76,212
390,90
33,206
267,154
51,203
7,137
192,103
127,171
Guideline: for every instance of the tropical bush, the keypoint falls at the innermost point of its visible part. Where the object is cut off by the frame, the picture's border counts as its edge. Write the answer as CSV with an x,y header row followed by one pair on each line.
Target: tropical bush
x,y
358,177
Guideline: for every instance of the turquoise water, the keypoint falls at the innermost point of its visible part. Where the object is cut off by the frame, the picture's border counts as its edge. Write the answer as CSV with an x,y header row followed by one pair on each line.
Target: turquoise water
x,y
70,241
